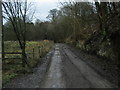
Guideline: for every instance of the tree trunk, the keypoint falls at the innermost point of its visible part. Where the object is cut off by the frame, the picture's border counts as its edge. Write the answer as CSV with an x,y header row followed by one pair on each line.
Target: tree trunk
x,y
115,42
99,15
114,8
1,32
24,58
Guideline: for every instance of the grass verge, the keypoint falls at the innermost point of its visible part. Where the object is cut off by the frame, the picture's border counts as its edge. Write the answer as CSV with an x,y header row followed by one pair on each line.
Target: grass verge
x,y
35,50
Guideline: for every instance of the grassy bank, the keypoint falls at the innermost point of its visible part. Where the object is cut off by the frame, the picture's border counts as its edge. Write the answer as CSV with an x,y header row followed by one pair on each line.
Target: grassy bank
x,y
35,50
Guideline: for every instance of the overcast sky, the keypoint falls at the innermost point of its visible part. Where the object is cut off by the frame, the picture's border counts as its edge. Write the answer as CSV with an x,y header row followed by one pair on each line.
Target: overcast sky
x,y
43,7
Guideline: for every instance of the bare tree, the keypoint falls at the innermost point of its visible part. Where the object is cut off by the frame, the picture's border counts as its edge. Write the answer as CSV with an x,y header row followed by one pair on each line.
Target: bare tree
x,y
1,44
0,28
16,13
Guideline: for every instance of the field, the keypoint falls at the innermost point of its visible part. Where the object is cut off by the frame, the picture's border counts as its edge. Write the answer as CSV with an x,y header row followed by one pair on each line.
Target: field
x,y
34,50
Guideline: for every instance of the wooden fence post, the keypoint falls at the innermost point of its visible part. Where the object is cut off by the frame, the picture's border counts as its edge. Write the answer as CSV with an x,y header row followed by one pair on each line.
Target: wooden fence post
x,y
33,53
39,52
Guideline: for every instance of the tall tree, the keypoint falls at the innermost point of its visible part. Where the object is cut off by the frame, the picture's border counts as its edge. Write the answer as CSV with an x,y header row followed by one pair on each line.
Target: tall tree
x,y
16,13
52,14
1,44
1,32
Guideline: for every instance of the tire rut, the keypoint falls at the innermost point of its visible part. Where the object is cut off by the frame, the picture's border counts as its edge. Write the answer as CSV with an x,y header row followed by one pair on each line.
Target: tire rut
x,y
91,77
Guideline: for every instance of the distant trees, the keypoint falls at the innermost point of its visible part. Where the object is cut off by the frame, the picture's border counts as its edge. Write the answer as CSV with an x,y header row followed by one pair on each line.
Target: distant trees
x,y
75,20
91,26
52,15
8,32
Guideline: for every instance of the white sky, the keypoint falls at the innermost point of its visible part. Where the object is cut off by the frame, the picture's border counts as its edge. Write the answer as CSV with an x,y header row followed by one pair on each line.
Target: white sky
x,y
43,7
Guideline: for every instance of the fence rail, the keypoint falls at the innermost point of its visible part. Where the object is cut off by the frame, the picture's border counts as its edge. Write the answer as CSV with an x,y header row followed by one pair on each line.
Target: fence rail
x,y
11,53
12,58
33,54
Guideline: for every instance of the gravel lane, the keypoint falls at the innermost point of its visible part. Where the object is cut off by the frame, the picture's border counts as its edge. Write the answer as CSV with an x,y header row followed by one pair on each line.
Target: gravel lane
x,y
79,74
54,78
62,69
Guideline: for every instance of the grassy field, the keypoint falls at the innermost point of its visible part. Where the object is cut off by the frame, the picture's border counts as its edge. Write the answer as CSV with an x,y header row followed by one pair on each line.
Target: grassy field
x,y
13,67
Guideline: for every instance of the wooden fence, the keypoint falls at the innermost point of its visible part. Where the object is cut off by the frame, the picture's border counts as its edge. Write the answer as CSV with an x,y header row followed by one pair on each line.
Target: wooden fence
x,y
36,52
5,53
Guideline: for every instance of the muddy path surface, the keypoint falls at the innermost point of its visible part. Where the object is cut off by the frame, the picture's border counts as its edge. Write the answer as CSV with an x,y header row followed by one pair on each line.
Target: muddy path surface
x,y
54,77
34,79
79,74
62,68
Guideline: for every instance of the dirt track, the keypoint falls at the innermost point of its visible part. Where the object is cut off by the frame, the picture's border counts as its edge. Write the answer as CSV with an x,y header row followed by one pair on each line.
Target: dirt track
x,y
64,70
79,74
54,77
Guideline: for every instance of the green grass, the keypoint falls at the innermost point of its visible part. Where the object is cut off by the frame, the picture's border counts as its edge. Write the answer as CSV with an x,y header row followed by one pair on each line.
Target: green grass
x,y
13,67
